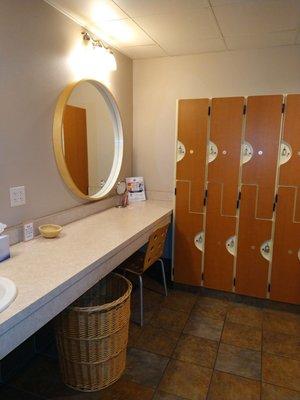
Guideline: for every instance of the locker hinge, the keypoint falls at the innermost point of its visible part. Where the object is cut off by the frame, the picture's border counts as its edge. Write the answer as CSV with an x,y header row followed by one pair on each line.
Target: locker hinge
x,y
205,197
175,191
202,276
275,202
269,287
234,282
283,108
208,110
244,109
238,200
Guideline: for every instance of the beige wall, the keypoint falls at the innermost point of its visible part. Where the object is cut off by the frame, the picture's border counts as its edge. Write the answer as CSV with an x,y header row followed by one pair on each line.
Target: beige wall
x,y
40,54
158,83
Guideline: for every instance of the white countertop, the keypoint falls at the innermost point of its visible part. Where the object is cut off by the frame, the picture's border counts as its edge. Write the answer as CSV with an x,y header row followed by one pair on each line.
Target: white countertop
x,y
43,268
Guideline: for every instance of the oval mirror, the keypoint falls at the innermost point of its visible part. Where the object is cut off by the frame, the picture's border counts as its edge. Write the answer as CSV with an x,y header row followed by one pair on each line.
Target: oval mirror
x,y
88,139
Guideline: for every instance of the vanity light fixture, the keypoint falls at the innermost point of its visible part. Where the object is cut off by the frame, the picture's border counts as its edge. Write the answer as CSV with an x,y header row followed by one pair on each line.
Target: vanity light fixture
x,y
108,55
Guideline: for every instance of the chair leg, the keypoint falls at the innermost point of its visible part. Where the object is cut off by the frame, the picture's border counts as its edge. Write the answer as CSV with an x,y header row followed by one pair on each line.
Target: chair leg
x,y
163,275
141,300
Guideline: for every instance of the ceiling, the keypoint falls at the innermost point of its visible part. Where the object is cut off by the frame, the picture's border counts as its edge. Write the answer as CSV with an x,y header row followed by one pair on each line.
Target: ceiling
x,y
158,28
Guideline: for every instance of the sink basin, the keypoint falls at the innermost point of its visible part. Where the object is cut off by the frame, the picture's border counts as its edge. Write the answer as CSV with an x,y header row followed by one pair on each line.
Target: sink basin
x,y
8,292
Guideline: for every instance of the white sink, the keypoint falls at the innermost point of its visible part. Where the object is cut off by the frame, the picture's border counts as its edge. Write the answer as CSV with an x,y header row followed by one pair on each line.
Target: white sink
x,y
8,292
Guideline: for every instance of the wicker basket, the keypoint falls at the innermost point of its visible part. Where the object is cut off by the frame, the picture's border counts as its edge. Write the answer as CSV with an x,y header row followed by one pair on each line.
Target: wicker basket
x,y
92,335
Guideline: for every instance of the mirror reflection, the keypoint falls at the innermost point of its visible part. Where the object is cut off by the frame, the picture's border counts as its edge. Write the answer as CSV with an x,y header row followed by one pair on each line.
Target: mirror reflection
x,y
88,139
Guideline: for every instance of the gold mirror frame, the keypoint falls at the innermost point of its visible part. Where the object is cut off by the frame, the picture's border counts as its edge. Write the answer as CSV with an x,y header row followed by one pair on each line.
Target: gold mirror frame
x,y
118,139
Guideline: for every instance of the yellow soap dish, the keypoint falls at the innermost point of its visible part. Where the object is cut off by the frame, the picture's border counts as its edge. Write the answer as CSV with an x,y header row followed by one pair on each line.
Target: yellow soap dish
x,y
50,231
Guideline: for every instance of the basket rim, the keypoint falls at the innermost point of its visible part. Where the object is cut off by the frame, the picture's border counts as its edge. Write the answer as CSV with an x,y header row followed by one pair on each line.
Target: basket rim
x,y
106,306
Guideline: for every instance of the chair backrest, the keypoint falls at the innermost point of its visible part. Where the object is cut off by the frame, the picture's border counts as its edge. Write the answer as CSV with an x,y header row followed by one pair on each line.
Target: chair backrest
x,y
155,246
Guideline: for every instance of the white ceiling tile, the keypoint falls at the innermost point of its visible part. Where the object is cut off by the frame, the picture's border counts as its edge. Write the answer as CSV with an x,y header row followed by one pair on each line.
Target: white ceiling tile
x,y
263,40
223,2
94,11
257,17
125,32
200,46
175,28
140,8
150,51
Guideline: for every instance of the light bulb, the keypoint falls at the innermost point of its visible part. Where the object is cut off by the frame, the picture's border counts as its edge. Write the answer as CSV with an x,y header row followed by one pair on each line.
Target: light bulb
x,y
111,60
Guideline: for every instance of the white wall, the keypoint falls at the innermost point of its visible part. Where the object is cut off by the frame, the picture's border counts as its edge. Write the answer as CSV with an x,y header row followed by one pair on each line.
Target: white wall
x,y
41,52
158,83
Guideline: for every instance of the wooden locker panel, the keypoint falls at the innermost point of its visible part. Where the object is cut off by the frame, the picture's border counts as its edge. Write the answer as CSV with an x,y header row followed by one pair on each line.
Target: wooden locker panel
x,y
226,131
251,267
285,278
192,132
290,171
218,262
263,123
187,257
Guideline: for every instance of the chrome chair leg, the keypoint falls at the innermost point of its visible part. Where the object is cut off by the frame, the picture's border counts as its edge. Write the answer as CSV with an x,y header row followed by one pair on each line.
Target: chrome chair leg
x,y
141,300
163,275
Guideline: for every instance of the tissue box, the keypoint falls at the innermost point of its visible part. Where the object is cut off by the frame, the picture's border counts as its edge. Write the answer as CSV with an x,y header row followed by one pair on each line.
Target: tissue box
x,y
4,248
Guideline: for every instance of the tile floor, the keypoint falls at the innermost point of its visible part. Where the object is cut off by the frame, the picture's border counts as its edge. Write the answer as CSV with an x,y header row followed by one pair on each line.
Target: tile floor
x,y
191,348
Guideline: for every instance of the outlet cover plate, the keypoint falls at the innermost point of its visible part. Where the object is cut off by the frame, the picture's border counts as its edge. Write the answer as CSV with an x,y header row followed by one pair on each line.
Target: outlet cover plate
x,y
17,196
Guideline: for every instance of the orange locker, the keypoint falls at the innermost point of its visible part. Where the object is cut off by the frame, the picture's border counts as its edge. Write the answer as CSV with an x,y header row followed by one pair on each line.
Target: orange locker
x,y
251,267
223,177
225,132
285,278
290,170
188,258
190,188
192,135
218,260
263,123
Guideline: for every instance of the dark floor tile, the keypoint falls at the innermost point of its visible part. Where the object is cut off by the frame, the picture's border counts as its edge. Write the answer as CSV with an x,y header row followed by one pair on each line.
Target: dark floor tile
x,y
126,390
156,286
211,307
271,392
247,315
157,340
231,387
282,322
281,371
179,301
10,393
281,344
196,350
242,335
170,319
135,331
239,361
59,391
205,327
166,396
38,376
144,368
186,380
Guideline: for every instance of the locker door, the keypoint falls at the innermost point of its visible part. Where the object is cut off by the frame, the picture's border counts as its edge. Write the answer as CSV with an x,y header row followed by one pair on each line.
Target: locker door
x,y
190,180
260,156
263,123
223,179
252,263
285,279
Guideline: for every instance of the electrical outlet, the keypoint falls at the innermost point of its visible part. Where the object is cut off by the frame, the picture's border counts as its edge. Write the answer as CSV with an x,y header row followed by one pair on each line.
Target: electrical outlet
x,y
28,232
17,196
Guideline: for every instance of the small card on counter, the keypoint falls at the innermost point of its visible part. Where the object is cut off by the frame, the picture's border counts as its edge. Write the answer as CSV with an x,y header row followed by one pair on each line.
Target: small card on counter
x,y
136,189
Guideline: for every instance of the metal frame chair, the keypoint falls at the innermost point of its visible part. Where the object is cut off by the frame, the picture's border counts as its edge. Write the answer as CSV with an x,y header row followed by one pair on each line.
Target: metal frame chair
x,y
139,262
